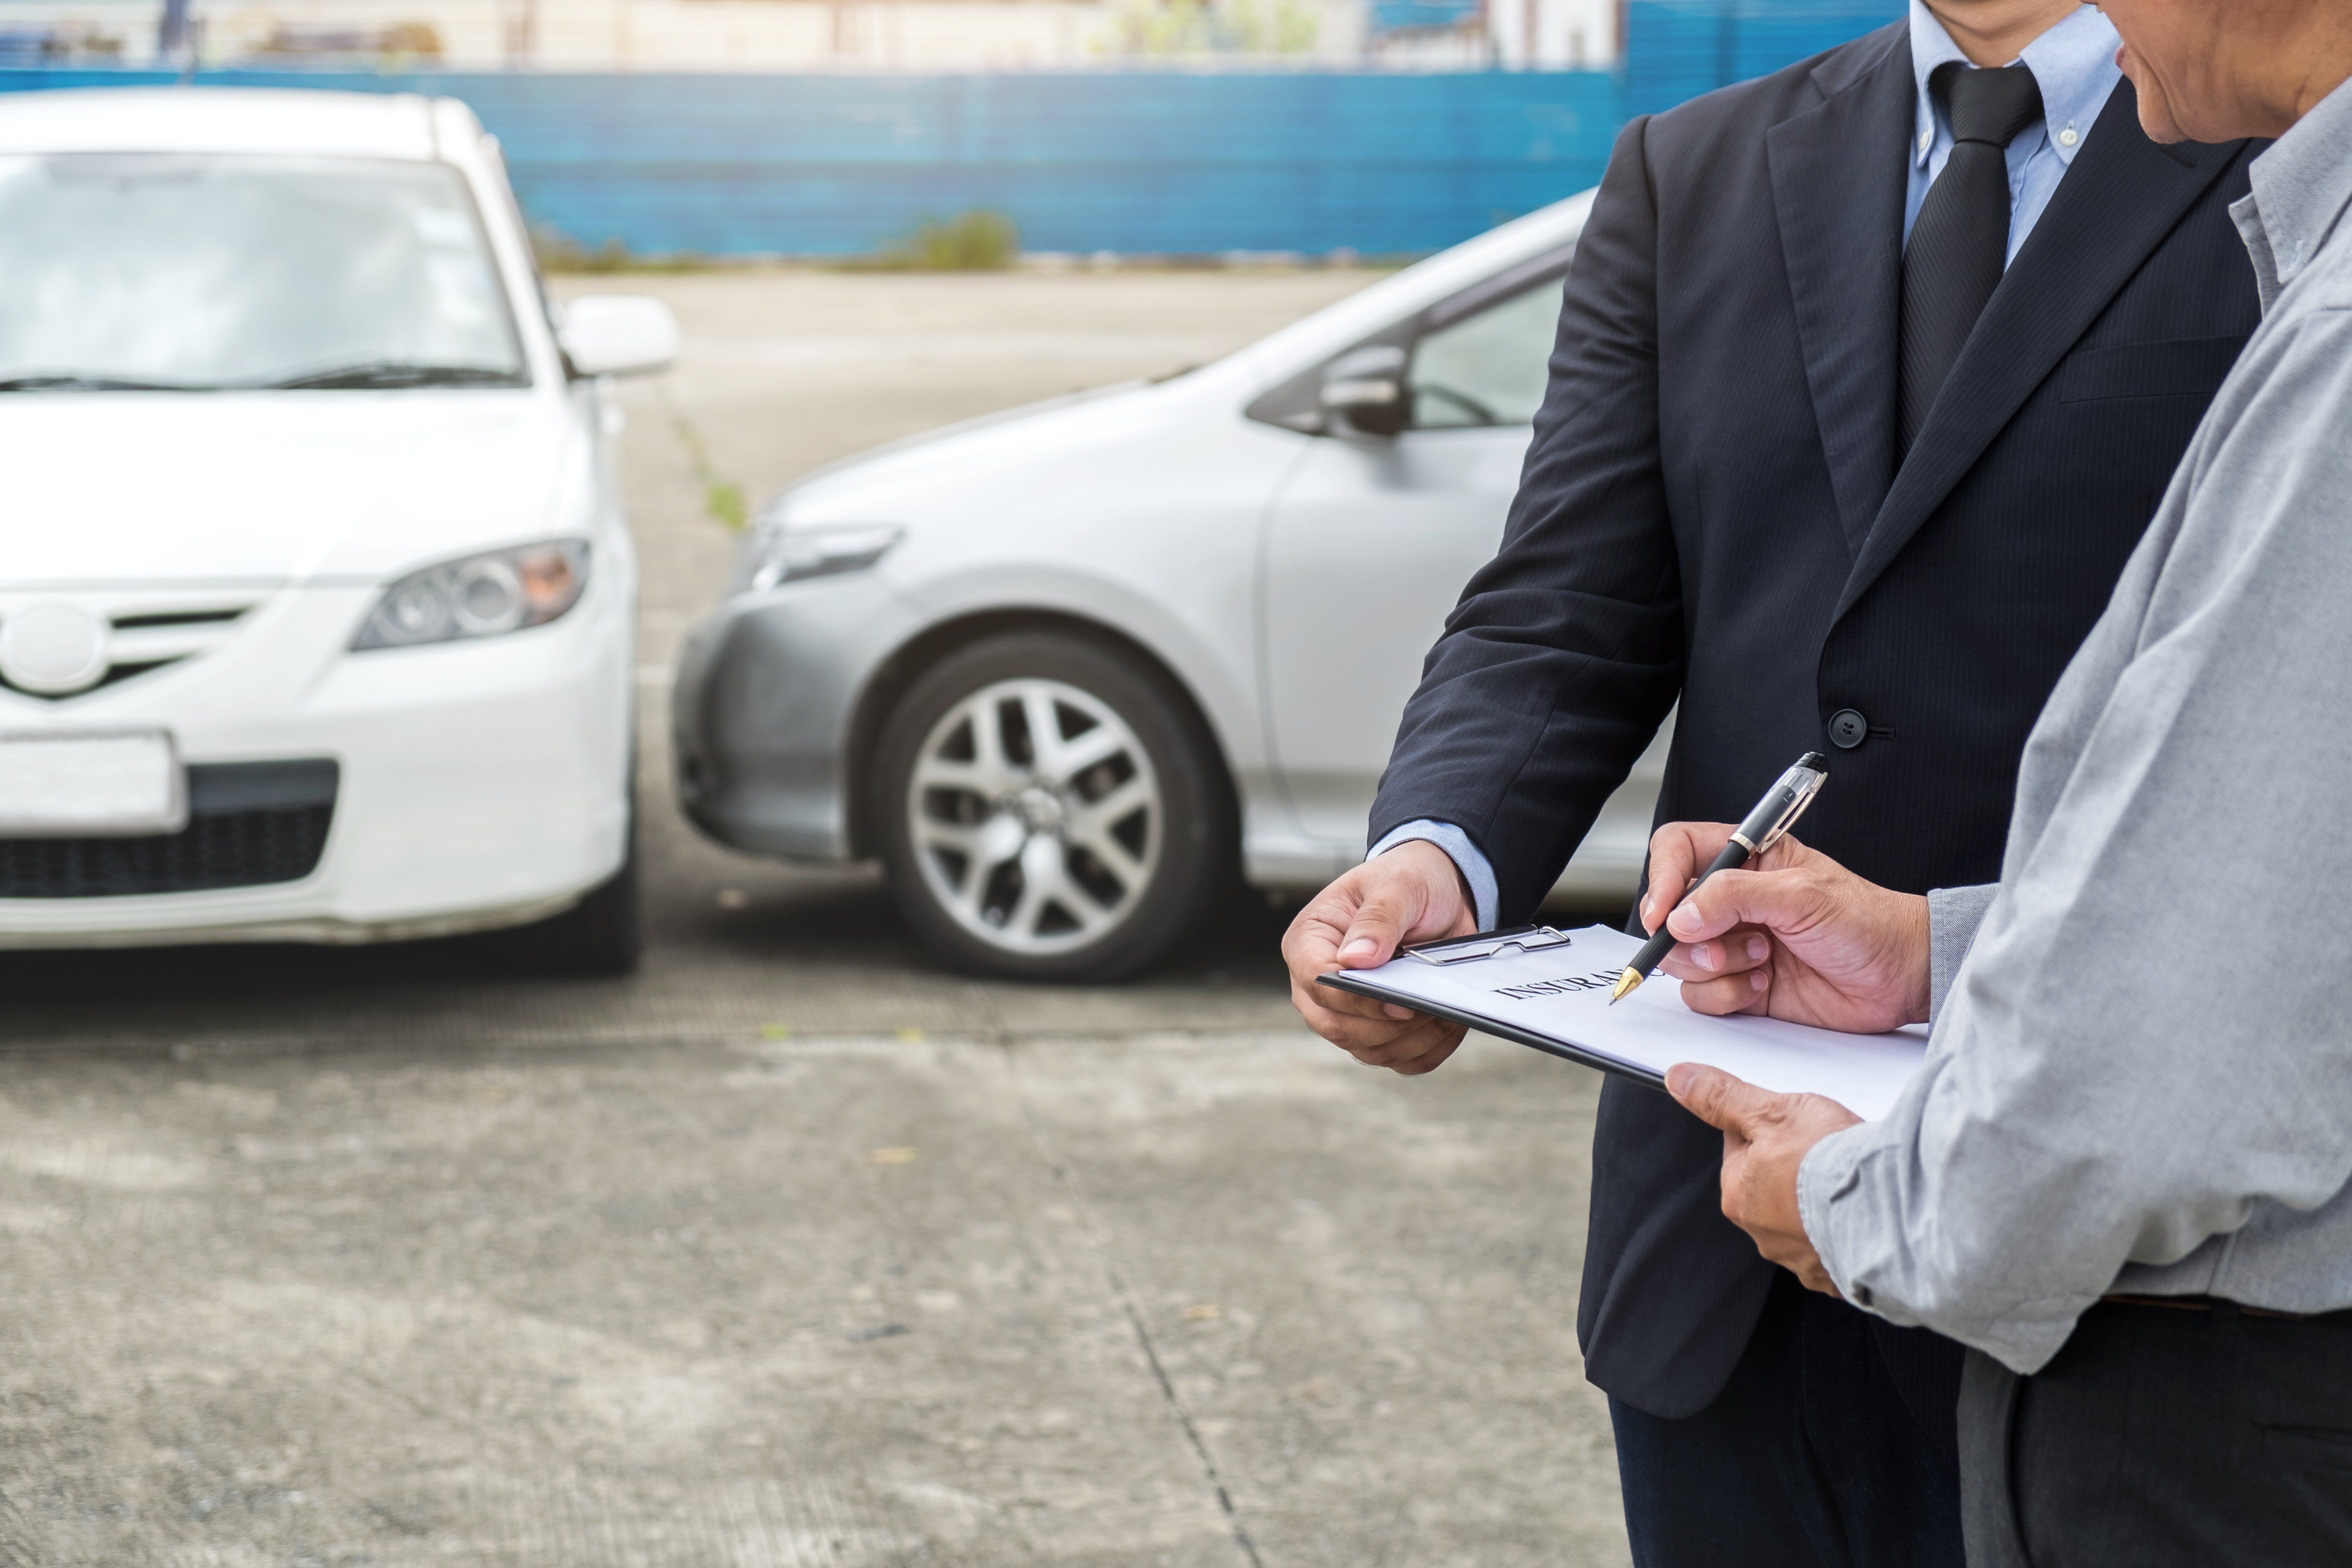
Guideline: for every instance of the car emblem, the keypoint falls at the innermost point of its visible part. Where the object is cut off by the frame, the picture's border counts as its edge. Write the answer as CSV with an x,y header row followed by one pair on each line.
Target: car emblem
x,y
52,649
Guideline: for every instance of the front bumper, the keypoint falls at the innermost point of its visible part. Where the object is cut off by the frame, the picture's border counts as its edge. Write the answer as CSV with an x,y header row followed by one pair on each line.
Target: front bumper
x,y
761,718
476,784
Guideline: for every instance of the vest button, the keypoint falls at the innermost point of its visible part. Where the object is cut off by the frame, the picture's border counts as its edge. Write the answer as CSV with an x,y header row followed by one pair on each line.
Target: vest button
x,y
1848,729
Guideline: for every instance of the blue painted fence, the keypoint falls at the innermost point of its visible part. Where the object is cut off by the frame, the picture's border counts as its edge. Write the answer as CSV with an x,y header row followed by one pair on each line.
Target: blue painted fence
x,y
1168,163
1148,162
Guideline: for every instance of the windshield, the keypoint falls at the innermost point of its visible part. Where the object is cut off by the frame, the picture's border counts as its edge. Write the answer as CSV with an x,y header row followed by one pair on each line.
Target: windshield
x,y
205,272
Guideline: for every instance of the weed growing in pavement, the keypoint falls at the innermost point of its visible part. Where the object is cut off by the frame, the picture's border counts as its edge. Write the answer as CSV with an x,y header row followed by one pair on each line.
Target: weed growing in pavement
x,y
722,499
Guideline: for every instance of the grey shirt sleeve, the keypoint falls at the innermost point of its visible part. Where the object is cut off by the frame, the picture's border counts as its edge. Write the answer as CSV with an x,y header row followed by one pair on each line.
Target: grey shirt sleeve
x,y
2146,1047
1953,915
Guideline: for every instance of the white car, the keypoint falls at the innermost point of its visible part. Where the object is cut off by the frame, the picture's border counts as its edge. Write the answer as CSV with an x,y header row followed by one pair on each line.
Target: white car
x,y
1064,668
316,600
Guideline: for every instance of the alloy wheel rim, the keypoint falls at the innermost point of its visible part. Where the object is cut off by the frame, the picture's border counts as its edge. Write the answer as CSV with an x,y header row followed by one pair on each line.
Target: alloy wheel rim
x,y
1036,815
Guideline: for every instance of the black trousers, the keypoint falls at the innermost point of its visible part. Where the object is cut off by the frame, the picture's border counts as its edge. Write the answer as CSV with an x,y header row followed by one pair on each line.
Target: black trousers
x,y
2164,1436
1832,1447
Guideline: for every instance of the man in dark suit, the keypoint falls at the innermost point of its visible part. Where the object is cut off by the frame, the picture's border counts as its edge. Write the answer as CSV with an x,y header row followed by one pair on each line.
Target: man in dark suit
x,y
1869,376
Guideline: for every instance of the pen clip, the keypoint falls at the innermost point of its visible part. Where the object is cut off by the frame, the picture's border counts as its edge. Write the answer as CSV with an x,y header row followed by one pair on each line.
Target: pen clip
x,y
1806,788
1488,945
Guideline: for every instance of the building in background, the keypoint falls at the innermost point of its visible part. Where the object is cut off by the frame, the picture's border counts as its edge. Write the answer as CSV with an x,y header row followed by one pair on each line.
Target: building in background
x,y
815,34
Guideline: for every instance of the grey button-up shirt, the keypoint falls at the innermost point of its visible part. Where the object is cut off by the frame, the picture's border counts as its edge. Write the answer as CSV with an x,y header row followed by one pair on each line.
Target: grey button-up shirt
x,y
2140,1078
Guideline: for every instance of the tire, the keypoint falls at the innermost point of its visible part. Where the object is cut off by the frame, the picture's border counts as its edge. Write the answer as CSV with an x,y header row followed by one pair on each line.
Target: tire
x,y
1086,861
602,935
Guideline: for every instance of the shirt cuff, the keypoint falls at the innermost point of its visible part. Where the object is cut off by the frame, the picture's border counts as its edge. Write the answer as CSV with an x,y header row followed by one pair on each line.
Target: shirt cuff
x,y
1828,1172
1953,915
1475,869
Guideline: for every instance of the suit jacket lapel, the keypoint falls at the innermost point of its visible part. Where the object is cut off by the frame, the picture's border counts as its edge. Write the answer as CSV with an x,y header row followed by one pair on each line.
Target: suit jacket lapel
x,y
2122,197
1838,185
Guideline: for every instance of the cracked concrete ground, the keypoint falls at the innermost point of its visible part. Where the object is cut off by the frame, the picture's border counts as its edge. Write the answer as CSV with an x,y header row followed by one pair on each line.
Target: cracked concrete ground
x,y
790,1251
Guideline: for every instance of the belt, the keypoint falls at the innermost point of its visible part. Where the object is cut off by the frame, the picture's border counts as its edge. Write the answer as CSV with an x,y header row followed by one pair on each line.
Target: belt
x,y
2207,1304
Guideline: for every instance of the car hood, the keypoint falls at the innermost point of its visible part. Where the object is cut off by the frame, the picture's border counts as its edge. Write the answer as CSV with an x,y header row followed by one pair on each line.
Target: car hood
x,y
881,484
269,487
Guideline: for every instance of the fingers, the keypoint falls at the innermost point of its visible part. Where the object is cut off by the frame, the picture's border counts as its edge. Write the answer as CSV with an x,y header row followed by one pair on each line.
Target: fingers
x,y
1386,1043
1412,893
1719,1099
1749,992
1678,852
1735,952
1776,901
1422,1048
1352,1023
1311,948
1428,1063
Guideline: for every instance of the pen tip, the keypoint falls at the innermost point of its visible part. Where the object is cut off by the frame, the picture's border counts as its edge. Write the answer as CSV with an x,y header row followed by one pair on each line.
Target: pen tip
x,y
1624,985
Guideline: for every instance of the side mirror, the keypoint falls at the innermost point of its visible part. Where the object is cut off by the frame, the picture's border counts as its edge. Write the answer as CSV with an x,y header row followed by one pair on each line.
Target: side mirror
x,y
1366,389
618,335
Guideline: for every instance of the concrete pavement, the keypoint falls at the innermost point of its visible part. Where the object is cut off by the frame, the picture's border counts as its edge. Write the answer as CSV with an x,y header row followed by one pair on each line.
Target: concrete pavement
x,y
791,1249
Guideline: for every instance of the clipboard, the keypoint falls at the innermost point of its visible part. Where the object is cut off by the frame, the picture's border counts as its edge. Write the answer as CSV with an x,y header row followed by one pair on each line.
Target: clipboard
x,y
1474,949
1548,990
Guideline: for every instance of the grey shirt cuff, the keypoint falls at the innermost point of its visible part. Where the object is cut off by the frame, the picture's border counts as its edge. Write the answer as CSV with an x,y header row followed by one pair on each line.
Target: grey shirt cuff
x,y
1474,866
1827,1172
1953,915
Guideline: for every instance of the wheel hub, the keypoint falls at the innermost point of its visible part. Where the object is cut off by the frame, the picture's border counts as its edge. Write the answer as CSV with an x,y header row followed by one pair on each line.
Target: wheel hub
x,y
1041,810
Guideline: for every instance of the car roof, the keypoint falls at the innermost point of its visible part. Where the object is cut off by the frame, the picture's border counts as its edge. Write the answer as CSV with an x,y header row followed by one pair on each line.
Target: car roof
x,y
218,120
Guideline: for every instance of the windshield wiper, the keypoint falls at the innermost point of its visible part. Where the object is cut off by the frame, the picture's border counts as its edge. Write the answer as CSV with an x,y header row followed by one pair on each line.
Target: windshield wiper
x,y
368,374
89,383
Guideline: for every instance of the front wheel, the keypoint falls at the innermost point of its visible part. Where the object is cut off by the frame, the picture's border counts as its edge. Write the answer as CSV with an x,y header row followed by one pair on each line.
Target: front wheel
x,y
1048,809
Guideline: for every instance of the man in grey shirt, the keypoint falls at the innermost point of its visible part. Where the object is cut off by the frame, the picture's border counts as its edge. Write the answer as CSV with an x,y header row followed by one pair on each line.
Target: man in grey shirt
x,y
2122,1175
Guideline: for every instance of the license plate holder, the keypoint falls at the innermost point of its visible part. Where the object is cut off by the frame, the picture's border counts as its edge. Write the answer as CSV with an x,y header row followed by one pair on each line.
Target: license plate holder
x,y
92,784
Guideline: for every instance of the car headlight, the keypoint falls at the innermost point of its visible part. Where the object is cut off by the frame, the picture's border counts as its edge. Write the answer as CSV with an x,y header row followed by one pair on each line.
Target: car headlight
x,y
480,596
780,552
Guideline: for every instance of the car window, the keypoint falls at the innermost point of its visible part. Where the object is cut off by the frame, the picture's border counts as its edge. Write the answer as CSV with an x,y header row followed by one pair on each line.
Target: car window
x,y
200,272
1488,368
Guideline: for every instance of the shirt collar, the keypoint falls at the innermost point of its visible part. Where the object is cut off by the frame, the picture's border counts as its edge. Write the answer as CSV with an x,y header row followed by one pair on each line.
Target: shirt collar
x,y
2073,63
2303,184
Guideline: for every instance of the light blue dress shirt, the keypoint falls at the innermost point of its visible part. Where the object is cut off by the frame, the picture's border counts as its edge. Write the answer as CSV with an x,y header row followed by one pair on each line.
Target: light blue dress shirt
x,y
2074,65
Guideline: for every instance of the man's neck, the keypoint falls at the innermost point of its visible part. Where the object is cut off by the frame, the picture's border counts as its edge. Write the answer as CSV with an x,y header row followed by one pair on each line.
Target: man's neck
x,y
2312,65
1995,32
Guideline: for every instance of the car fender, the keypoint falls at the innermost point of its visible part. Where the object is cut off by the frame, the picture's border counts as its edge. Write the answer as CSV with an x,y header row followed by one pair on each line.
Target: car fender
x,y
1223,688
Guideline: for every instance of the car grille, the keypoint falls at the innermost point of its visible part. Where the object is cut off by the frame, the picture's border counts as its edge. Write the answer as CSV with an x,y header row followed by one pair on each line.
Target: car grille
x,y
250,824
146,630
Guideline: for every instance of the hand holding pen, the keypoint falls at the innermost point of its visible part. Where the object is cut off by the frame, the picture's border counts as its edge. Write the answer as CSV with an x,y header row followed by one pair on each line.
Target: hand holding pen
x,y
1793,935
1763,827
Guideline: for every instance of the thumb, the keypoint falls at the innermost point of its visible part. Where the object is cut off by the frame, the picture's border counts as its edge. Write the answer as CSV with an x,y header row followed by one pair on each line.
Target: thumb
x,y
1374,933
1715,1097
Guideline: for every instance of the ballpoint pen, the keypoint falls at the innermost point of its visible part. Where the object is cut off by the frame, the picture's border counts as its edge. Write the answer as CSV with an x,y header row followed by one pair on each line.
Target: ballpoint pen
x,y
1774,815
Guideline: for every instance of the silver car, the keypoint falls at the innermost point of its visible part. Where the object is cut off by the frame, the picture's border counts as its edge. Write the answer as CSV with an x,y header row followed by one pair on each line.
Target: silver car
x,y
1065,670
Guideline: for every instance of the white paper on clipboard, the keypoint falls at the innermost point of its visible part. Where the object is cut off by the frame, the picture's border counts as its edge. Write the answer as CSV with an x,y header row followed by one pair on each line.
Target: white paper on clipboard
x,y
1561,994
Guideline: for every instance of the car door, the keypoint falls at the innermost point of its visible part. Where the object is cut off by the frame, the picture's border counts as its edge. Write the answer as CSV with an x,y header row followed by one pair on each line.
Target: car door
x,y
1370,539
1368,543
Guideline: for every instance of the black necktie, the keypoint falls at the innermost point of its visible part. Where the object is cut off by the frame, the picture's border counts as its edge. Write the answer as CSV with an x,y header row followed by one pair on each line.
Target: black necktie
x,y
1959,245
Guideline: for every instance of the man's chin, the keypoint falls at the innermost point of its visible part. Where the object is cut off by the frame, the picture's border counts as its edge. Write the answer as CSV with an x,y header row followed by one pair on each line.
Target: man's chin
x,y
2155,116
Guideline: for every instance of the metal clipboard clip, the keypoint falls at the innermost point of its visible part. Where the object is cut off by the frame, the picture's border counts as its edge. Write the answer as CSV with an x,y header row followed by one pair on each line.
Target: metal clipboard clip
x,y
1488,945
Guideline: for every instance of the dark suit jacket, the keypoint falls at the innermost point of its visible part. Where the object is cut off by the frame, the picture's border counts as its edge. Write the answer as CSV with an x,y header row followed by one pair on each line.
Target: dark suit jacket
x,y
1713,511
